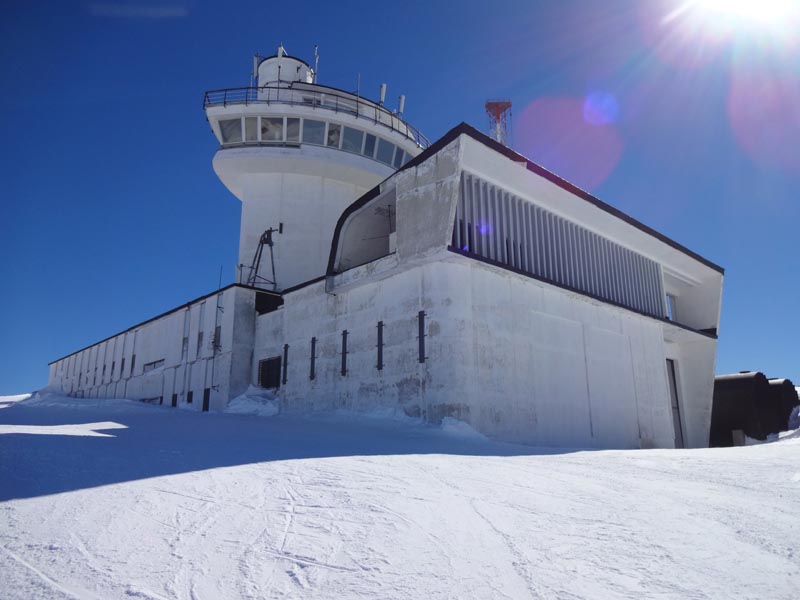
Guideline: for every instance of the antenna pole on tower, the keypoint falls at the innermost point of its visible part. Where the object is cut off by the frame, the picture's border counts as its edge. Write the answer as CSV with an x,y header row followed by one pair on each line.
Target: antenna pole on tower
x,y
254,74
499,112
316,61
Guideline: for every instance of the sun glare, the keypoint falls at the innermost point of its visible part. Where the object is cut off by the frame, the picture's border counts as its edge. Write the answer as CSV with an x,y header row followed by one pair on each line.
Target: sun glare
x,y
769,12
741,16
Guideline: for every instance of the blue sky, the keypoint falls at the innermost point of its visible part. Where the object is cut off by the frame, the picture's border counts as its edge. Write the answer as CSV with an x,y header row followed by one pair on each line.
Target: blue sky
x,y
111,213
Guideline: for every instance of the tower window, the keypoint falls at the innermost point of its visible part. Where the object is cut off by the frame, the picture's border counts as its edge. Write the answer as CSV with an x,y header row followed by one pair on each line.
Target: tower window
x,y
352,139
385,151
271,129
334,135
251,129
398,158
313,132
231,130
292,130
369,145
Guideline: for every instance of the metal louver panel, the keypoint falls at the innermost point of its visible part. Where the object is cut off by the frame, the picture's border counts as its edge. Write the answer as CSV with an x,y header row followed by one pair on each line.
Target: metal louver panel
x,y
496,225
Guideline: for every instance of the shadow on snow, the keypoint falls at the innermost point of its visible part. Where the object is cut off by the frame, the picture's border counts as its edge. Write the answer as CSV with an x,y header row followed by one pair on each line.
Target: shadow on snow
x,y
50,449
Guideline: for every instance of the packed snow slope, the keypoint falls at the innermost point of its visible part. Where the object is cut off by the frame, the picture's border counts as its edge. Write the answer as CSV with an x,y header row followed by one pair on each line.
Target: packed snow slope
x,y
116,499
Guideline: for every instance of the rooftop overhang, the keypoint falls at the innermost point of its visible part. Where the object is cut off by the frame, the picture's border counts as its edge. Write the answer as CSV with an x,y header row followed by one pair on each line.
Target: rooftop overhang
x,y
493,162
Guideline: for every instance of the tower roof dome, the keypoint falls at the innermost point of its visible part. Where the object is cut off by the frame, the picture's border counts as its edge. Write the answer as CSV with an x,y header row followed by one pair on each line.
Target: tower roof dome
x,y
282,68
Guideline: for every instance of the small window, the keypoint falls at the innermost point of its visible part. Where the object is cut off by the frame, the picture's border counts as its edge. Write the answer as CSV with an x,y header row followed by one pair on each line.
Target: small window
x,y
189,397
313,132
199,342
122,368
271,129
352,139
269,372
292,130
113,366
369,145
671,307
334,135
185,348
133,363
152,365
251,129
218,337
398,158
385,151
231,130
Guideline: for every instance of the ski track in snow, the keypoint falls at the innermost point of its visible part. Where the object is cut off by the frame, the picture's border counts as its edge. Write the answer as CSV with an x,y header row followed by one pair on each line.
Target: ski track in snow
x,y
178,504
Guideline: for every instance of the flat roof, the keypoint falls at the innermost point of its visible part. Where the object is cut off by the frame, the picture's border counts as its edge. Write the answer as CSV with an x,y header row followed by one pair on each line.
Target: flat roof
x,y
164,314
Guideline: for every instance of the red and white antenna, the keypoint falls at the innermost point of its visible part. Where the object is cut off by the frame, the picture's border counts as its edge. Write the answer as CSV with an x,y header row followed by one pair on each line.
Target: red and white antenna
x,y
499,112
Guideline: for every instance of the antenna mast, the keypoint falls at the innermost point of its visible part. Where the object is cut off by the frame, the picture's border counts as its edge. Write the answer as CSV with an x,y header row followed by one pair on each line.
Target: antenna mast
x,y
499,112
254,279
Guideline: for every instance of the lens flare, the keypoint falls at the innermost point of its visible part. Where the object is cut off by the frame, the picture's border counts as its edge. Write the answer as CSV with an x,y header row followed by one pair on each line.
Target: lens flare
x,y
600,108
764,111
554,132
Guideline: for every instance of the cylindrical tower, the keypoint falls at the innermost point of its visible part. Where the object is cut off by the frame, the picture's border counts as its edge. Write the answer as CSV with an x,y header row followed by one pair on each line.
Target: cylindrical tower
x,y
296,154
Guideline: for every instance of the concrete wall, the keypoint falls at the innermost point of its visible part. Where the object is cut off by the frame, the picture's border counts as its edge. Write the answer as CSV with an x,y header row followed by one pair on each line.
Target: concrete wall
x,y
308,206
518,359
403,382
108,369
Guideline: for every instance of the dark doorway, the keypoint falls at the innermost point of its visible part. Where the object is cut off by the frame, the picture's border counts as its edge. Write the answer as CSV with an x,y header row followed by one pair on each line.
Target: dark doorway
x,y
269,372
174,400
206,399
676,409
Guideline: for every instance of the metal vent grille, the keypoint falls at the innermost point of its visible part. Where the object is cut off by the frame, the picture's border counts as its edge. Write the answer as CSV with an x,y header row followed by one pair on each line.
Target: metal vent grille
x,y
497,225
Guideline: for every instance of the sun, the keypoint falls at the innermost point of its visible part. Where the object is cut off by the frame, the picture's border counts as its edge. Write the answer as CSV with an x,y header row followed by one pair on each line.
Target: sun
x,y
755,11
769,16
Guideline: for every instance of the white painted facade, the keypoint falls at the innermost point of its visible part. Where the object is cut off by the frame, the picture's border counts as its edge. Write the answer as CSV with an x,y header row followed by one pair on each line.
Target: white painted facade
x,y
543,313
173,358
518,358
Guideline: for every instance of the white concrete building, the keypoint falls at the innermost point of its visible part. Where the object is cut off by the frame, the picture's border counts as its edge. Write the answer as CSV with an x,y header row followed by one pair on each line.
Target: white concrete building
x,y
455,280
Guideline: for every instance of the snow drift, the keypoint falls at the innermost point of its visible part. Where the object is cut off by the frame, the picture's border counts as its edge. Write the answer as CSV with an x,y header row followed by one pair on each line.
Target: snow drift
x,y
179,504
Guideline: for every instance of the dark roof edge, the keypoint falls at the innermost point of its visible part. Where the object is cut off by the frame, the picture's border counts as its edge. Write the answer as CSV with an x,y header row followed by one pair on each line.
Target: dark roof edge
x,y
300,286
164,314
573,189
468,130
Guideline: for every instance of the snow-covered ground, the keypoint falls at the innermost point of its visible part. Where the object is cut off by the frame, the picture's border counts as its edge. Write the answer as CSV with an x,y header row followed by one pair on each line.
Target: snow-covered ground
x,y
116,499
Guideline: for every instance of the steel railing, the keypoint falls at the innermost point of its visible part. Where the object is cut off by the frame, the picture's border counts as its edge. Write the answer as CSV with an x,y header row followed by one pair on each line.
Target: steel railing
x,y
317,97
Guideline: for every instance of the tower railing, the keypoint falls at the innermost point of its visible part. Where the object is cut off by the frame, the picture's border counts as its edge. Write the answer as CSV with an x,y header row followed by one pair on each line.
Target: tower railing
x,y
317,97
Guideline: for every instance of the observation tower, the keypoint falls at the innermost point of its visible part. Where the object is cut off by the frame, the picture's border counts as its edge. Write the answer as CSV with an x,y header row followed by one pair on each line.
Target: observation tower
x,y
297,153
